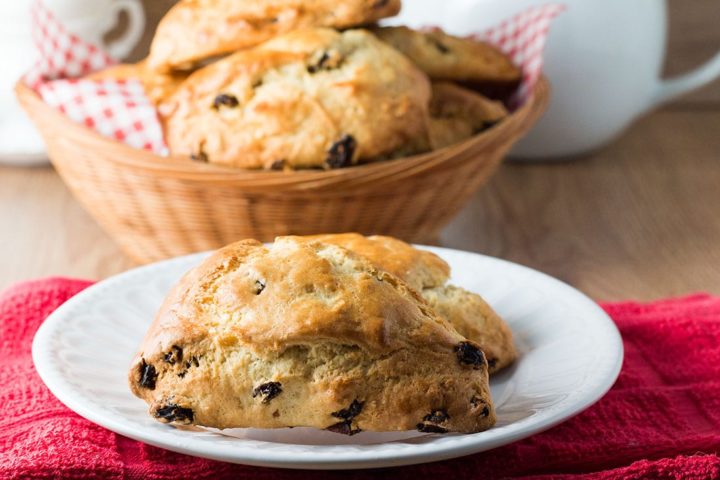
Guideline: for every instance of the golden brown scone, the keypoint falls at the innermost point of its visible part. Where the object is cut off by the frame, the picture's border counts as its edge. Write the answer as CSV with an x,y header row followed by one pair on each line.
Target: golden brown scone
x,y
474,319
428,274
303,333
310,99
418,268
457,114
194,30
446,57
158,86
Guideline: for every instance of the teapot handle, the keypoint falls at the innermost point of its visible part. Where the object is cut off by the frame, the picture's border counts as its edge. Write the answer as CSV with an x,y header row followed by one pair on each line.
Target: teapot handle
x,y
674,87
121,47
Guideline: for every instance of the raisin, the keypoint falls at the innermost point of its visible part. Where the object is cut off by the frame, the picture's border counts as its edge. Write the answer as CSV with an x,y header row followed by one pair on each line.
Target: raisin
x,y
380,4
174,355
469,354
476,401
492,362
200,156
486,125
429,428
174,413
344,428
341,153
437,416
268,391
441,47
148,375
348,415
326,60
225,100
258,287
319,64
351,412
278,165
193,361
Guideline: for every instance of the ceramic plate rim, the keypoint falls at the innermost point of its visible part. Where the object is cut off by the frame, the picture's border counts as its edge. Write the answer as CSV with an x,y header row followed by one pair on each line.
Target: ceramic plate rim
x,y
458,445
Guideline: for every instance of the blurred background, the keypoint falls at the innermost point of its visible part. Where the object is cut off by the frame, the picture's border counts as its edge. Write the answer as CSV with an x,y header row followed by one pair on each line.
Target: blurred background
x,y
636,219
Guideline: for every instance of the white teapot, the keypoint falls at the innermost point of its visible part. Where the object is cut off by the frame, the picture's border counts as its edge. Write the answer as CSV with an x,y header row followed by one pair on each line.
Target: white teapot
x,y
603,59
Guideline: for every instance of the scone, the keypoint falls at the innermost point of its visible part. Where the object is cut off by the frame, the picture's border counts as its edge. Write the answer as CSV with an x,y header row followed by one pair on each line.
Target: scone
x,y
471,316
420,269
313,98
303,333
457,114
446,57
195,30
158,86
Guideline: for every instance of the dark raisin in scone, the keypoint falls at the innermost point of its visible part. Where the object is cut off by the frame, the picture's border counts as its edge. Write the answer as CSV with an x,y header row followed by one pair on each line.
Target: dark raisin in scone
x,y
194,30
471,316
304,333
313,98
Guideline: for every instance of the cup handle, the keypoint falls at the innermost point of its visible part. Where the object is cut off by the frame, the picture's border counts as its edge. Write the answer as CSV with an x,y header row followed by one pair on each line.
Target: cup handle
x,y
121,47
674,87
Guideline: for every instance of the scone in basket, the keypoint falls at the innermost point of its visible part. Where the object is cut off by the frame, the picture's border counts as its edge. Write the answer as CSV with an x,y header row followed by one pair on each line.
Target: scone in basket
x,y
158,206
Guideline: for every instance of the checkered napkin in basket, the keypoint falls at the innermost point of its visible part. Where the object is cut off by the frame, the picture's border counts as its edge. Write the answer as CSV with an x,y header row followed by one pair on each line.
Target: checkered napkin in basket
x,y
121,110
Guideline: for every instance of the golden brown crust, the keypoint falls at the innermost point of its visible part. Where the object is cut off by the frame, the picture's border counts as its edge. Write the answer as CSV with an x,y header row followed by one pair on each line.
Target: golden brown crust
x,y
310,99
304,333
457,114
194,30
474,319
158,86
418,268
471,316
446,57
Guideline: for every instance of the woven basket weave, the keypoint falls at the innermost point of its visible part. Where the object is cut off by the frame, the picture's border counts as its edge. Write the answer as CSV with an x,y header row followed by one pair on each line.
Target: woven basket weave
x,y
156,207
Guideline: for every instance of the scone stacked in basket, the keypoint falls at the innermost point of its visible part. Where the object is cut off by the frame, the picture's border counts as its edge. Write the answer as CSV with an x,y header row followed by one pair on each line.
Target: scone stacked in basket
x,y
313,84
338,332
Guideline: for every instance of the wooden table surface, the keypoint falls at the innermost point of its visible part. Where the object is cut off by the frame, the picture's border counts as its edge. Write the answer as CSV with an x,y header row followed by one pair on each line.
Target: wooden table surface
x,y
637,220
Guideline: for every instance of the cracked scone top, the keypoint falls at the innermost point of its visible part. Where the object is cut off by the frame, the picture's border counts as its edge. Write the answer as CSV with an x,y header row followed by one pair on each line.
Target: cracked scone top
x,y
424,271
314,98
303,333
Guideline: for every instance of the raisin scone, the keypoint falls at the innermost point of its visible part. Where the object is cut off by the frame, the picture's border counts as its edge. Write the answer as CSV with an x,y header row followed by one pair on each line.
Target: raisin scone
x,y
303,333
195,30
313,98
471,316
158,86
446,57
457,113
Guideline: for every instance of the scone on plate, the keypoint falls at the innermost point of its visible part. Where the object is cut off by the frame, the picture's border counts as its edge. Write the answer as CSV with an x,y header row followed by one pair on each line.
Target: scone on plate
x,y
195,30
304,333
313,98
158,86
457,113
471,316
446,57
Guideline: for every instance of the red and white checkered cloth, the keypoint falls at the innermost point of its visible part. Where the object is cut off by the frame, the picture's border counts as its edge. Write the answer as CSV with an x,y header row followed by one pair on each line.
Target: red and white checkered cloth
x,y
121,110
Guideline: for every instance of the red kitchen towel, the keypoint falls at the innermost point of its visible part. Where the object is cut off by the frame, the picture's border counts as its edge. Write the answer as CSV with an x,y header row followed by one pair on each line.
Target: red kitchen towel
x,y
660,420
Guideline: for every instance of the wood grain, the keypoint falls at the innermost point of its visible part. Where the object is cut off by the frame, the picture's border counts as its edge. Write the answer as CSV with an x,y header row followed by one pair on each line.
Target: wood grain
x,y
638,220
693,39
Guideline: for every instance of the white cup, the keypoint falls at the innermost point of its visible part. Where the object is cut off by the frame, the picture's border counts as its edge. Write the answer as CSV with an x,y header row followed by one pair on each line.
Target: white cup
x,y
92,19
88,19
603,58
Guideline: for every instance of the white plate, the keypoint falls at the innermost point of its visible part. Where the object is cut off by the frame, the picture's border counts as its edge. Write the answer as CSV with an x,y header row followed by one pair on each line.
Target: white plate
x,y
570,355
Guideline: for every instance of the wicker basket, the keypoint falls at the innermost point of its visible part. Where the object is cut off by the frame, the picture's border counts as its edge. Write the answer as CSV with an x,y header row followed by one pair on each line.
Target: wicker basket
x,y
156,207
